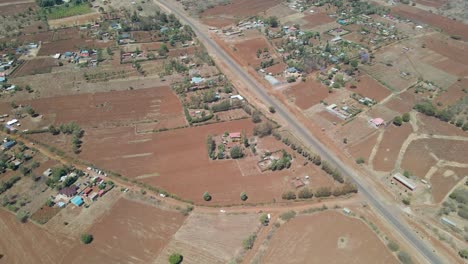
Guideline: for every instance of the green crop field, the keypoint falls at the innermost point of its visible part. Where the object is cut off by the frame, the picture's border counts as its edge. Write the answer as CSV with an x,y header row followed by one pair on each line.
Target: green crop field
x,y
64,11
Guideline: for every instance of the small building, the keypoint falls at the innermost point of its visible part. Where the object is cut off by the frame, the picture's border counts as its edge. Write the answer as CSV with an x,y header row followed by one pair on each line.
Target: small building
x,y
101,193
238,97
291,70
93,196
297,183
8,145
448,222
12,122
336,39
87,191
377,121
61,204
77,200
346,210
405,181
235,135
272,80
69,191
197,80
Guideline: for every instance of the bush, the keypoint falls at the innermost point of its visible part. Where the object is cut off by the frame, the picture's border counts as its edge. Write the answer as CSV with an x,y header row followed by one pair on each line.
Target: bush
x,y
284,162
244,196
263,129
404,257
463,212
289,195
175,258
272,109
406,201
406,117
305,193
323,192
463,253
256,117
288,215
347,188
264,219
86,238
207,197
398,121
249,242
22,216
223,106
360,161
394,247
236,152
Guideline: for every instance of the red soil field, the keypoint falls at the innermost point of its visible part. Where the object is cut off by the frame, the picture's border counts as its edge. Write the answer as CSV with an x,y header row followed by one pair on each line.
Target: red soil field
x,y
432,3
131,232
453,94
390,146
445,46
112,108
328,237
417,159
308,93
449,150
42,36
444,180
247,50
240,8
277,68
317,20
431,125
35,66
8,10
178,162
448,25
61,46
368,87
28,243
403,102
142,36
364,148
218,22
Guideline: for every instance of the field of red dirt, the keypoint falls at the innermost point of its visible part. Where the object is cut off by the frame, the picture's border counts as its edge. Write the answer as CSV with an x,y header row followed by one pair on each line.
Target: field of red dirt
x,y
417,159
453,94
317,19
131,232
113,108
403,102
432,3
368,87
41,36
211,238
28,243
178,162
308,93
74,20
364,148
448,25
431,125
444,180
218,22
449,150
240,8
247,50
445,46
328,237
8,10
277,68
390,146
35,66
64,45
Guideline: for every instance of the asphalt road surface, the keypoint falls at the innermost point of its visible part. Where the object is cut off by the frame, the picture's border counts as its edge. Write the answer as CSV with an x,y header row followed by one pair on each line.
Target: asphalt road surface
x,y
308,138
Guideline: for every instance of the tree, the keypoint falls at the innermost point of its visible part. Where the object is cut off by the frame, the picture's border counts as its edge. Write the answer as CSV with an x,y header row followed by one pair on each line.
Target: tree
x,y
163,50
207,197
263,129
354,63
264,219
53,130
323,192
393,246
404,257
244,196
236,152
175,258
272,21
30,111
256,117
22,216
398,121
360,160
86,238
49,202
305,193
289,195
272,109
463,253
249,242
406,117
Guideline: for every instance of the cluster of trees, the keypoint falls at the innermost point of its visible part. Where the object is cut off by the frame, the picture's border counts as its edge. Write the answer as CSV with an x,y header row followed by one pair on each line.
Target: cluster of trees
x,y
211,146
306,193
272,21
447,114
204,117
267,63
263,129
332,171
284,162
236,152
461,197
70,129
222,106
57,173
398,121
174,65
249,242
5,185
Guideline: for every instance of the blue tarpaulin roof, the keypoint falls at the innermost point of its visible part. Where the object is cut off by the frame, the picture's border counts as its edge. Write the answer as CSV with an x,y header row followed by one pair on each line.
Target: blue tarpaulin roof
x,y
77,200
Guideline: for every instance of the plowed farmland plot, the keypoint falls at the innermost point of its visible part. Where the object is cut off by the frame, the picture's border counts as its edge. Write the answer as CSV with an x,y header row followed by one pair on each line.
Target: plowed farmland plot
x,y
131,232
35,66
307,94
28,243
328,237
444,180
418,159
317,19
115,108
363,149
178,162
246,50
368,87
210,238
240,8
390,146
431,125
449,150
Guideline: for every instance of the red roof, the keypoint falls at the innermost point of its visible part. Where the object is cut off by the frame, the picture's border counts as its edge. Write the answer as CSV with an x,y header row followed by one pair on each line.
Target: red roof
x,y
101,192
87,190
235,135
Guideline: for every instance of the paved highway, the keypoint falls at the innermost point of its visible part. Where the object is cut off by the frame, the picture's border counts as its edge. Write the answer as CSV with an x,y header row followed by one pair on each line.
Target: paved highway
x,y
307,137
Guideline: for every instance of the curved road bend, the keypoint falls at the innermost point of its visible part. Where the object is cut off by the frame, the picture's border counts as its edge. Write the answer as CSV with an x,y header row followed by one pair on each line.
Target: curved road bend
x,y
308,138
